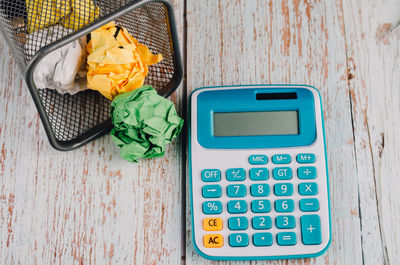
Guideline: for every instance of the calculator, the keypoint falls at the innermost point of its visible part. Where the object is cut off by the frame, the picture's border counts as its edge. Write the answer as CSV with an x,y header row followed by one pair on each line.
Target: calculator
x,y
258,172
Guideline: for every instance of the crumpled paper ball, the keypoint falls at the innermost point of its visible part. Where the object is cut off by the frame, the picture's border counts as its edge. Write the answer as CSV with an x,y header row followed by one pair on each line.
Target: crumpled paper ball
x,y
144,123
117,62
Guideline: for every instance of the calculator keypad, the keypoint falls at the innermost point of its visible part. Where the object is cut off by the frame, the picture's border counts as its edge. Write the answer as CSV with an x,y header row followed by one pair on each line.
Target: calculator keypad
x,y
249,205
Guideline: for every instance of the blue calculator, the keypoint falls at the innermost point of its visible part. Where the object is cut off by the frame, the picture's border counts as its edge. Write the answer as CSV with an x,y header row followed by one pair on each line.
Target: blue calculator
x,y
258,172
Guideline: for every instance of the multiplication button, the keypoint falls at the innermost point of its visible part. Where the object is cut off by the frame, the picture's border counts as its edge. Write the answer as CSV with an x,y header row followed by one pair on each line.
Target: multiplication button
x,y
308,189
211,175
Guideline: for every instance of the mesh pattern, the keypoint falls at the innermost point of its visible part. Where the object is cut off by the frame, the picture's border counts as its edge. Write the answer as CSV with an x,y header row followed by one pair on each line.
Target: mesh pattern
x,y
72,116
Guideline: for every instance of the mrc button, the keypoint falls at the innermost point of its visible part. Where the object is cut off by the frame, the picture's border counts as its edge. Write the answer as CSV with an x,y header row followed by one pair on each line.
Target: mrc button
x,y
211,175
258,159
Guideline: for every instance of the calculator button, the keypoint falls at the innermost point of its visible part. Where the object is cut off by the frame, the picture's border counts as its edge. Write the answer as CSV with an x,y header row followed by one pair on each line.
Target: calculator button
x,y
282,206
235,174
238,223
305,158
260,206
286,238
309,205
310,229
258,159
238,240
262,239
212,224
238,206
211,175
213,241
307,172
283,189
281,159
212,191
259,174
238,190
261,222
282,173
259,190
212,207
285,222
308,188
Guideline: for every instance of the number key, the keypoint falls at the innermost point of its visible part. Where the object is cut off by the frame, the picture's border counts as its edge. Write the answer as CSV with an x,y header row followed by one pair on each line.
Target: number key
x,y
260,206
238,206
282,206
261,222
238,240
259,190
236,190
285,222
283,189
238,223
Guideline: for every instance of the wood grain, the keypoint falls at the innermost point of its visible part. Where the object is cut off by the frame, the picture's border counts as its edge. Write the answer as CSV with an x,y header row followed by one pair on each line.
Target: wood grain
x,y
86,206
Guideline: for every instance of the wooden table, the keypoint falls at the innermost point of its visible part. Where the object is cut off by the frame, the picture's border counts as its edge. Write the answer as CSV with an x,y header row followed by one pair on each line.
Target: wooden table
x,y
88,206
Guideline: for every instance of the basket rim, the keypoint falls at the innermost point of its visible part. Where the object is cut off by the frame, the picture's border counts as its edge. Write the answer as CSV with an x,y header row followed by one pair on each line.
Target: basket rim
x,y
106,126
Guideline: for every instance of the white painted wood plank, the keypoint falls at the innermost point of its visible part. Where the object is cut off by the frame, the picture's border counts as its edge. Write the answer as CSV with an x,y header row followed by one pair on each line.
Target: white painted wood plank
x,y
86,206
246,42
375,97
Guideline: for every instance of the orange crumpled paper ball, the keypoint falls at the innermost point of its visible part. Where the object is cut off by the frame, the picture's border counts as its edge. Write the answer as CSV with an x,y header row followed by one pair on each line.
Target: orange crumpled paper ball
x,y
117,62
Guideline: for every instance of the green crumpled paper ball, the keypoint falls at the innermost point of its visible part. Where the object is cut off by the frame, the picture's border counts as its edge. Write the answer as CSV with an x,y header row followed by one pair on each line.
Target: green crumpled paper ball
x,y
144,123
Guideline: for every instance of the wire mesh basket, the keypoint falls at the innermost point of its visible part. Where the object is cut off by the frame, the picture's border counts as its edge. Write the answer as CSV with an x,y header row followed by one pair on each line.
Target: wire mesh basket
x,y
73,120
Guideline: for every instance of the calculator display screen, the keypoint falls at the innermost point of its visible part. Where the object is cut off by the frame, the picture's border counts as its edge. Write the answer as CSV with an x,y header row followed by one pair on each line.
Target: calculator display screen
x,y
256,123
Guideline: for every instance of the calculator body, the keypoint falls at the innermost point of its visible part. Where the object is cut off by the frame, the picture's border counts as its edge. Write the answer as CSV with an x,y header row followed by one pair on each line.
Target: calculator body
x,y
258,173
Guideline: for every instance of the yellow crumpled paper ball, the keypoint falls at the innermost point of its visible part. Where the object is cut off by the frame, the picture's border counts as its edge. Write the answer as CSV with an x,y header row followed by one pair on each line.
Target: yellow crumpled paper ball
x,y
117,62
71,14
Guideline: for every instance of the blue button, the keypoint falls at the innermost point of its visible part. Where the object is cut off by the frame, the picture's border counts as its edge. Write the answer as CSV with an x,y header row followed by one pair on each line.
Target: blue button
x,y
283,189
285,222
260,206
238,190
309,205
235,174
260,173
311,229
238,206
212,207
262,239
238,223
258,159
212,191
211,175
282,173
281,159
307,172
286,239
261,222
305,158
259,190
238,240
284,206
310,188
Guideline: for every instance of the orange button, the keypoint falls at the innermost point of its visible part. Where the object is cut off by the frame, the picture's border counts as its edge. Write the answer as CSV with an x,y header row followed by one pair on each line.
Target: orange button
x,y
213,241
212,224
